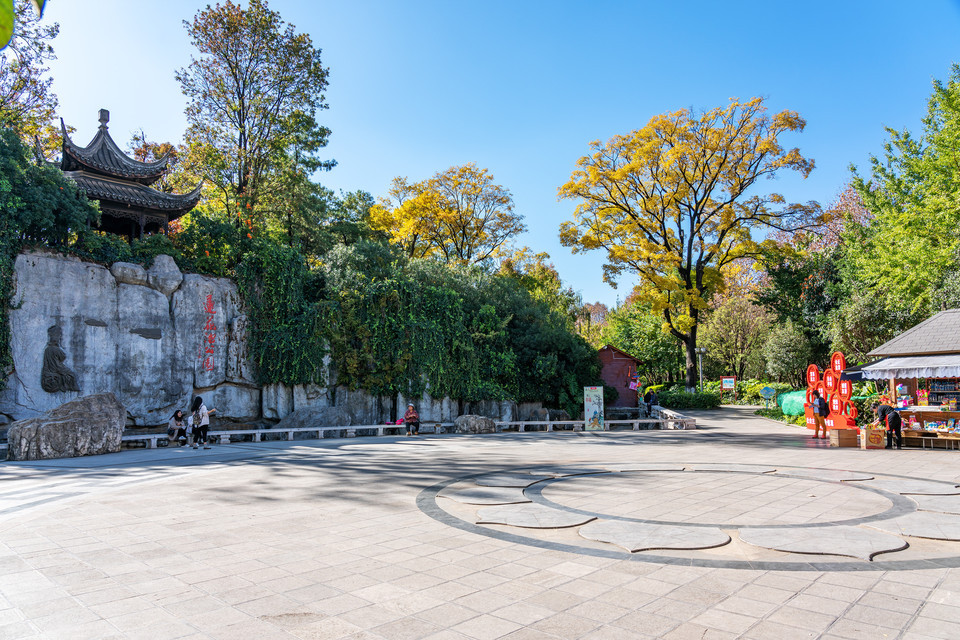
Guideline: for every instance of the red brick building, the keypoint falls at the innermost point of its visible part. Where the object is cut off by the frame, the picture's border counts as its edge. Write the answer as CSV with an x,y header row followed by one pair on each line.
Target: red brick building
x,y
618,367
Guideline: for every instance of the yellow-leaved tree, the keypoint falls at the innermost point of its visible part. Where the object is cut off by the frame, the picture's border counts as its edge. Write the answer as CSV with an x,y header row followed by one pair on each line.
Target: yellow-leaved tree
x,y
459,215
672,203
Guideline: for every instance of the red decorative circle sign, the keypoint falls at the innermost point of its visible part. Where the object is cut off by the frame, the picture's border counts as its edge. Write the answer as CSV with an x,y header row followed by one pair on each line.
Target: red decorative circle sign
x,y
810,396
836,404
845,389
830,380
813,376
837,362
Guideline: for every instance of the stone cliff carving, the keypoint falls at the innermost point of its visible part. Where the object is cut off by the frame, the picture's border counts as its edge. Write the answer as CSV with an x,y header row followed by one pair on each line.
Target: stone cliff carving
x,y
55,376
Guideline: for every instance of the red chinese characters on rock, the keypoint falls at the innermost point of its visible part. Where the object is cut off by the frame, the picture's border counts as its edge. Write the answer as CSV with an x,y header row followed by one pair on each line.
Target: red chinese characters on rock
x,y
209,337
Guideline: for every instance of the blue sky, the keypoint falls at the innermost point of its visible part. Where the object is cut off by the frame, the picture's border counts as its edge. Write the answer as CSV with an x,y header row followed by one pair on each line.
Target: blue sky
x,y
523,87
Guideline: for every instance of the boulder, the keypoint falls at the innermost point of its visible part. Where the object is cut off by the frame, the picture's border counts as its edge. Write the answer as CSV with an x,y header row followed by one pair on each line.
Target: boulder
x,y
164,276
84,427
361,406
315,416
536,414
474,424
128,273
559,414
234,402
309,395
277,401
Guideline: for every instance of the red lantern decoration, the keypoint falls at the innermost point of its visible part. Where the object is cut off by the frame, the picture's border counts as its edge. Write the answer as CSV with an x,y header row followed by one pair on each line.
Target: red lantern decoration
x,y
813,376
837,362
836,404
845,389
830,380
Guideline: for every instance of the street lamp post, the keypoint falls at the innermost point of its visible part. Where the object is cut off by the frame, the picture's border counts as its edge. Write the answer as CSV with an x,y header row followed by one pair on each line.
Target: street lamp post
x,y
700,351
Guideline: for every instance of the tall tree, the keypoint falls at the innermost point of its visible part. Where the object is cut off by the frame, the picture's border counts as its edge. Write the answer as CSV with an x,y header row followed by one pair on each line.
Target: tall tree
x,y
27,102
912,194
671,202
460,215
254,92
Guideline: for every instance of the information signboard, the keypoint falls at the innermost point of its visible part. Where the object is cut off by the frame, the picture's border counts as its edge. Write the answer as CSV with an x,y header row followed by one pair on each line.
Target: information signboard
x,y
593,408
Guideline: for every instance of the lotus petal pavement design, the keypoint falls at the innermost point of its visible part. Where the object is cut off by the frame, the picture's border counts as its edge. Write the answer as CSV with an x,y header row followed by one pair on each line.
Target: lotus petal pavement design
x,y
531,516
905,486
941,504
744,468
830,475
562,472
644,466
487,495
640,536
922,524
509,479
855,542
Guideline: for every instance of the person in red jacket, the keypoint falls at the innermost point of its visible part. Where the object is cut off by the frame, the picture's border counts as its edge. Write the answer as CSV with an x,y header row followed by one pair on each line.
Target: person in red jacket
x,y
412,420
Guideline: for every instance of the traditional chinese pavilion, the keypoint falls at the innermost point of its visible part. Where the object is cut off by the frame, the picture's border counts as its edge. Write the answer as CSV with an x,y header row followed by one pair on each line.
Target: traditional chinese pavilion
x,y
129,206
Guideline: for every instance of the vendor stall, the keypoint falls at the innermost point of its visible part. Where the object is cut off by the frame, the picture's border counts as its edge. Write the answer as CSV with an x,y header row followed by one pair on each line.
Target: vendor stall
x,y
922,369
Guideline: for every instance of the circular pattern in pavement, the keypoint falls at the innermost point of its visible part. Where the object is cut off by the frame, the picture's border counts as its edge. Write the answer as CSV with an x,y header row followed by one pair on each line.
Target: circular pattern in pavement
x,y
736,516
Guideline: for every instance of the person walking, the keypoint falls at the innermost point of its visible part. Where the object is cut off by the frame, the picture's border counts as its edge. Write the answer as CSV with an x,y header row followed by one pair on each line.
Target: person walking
x,y
412,420
820,411
201,422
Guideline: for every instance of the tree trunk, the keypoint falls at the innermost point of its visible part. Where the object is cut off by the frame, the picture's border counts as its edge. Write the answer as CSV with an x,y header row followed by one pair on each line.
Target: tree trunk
x,y
691,346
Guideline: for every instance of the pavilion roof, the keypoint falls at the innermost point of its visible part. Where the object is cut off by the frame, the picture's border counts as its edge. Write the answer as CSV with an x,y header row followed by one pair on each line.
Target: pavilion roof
x,y
103,156
134,193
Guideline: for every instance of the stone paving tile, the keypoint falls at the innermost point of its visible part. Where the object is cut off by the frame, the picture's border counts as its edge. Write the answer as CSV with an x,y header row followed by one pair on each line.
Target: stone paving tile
x,y
767,630
861,630
691,631
725,621
802,619
565,625
650,624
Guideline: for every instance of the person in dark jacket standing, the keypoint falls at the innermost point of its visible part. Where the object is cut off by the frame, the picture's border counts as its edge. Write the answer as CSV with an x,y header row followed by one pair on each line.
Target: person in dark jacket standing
x,y
888,415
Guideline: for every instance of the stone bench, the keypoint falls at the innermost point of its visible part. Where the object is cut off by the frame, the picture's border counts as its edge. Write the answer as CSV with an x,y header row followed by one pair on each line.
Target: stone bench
x,y
666,420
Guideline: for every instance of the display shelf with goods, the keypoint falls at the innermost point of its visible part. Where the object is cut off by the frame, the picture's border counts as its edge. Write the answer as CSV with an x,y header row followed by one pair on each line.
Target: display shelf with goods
x,y
944,389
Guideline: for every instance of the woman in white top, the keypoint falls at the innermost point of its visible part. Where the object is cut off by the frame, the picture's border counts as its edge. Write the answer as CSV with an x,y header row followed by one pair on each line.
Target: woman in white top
x,y
201,422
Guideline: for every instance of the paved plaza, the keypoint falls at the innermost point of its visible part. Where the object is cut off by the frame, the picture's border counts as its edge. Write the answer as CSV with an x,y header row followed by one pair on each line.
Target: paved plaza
x,y
742,528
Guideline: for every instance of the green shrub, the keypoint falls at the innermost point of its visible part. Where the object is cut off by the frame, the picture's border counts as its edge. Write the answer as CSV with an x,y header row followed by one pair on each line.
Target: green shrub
x,y
748,390
610,395
683,400
776,414
865,406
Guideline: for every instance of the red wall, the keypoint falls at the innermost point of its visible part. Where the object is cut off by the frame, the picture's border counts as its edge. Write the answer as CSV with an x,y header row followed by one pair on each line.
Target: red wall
x,y
615,373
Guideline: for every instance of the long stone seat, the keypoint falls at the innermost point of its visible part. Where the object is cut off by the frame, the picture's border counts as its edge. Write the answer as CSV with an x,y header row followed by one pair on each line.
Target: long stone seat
x,y
666,420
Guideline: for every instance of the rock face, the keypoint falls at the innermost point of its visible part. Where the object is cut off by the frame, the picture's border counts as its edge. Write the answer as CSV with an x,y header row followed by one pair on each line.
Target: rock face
x,y
84,427
474,424
122,334
316,416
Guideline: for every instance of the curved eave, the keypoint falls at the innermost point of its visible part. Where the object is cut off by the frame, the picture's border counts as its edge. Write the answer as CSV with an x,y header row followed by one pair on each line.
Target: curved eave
x,y
103,156
133,194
